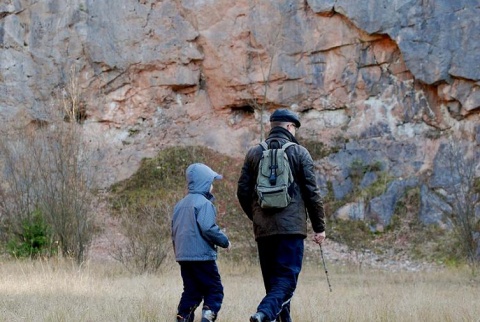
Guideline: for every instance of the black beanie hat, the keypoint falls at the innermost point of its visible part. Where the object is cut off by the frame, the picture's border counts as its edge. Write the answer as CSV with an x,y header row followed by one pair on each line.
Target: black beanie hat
x,y
284,115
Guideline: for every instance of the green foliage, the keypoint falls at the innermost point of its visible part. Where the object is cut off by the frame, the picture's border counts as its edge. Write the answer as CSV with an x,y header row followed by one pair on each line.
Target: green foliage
x,y
433,134
133,132
330,203
354,233
33,240
408,235
358,169
476,185
157,178
376,188
405,237
317,149
163,177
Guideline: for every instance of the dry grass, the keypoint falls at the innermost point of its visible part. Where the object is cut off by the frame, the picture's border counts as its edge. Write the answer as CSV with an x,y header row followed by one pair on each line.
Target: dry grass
x,y
53,291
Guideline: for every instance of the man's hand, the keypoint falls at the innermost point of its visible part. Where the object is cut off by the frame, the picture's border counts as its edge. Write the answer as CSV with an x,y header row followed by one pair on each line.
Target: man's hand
x,y
229,246
319,237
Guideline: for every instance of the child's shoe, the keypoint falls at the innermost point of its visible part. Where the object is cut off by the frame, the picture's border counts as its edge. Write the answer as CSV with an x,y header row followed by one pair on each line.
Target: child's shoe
x,y
182,319
208,315
258,317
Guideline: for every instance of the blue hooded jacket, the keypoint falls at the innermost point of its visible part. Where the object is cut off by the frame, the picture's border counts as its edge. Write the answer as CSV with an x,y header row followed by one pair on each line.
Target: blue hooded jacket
x,y
195,233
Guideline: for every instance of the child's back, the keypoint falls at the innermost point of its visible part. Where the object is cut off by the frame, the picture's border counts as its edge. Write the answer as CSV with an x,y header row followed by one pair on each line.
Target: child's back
x,y
195,237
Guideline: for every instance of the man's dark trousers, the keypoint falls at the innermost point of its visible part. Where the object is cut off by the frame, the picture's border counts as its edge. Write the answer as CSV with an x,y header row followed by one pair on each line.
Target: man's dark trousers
x,y
201,281
281,259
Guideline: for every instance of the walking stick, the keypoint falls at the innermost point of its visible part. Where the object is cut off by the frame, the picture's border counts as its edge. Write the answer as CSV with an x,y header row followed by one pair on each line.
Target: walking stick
x,y
325,267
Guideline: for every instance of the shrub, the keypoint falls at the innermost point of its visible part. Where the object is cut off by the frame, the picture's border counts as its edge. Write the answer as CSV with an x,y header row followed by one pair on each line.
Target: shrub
x,y
147,245
49,165
462,197
318,150
33,240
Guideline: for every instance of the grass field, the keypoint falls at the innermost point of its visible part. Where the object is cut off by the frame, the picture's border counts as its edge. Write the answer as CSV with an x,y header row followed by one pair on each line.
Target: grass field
x,y
58,291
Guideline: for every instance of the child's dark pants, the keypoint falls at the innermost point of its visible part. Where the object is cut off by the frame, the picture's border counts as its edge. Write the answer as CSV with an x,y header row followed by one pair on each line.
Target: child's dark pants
x,y
201,281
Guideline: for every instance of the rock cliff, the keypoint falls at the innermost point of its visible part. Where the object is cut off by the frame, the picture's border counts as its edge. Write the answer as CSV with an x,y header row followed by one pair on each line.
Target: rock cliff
x,y
385,83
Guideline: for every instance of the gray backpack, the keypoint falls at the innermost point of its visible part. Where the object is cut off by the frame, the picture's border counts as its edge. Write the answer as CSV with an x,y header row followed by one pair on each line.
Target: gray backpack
x,y
274,177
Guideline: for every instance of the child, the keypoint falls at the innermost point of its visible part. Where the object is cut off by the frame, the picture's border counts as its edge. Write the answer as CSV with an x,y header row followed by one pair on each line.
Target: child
x,y
195,237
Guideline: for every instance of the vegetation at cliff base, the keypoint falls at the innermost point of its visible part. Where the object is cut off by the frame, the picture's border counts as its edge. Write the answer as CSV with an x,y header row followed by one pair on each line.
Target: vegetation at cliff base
x,y
144,204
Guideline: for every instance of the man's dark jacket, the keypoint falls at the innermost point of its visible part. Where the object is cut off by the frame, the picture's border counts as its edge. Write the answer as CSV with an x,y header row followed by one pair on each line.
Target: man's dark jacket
x,y
305,194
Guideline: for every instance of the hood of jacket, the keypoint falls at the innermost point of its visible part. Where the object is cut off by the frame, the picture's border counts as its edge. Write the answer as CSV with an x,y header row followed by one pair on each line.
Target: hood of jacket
x,y
200,178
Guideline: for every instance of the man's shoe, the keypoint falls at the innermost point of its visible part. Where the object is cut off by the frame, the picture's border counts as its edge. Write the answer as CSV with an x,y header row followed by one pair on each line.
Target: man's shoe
x,y
258,317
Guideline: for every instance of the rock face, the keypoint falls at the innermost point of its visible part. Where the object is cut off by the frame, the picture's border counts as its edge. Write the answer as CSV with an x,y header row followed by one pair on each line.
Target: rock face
x,y
379,82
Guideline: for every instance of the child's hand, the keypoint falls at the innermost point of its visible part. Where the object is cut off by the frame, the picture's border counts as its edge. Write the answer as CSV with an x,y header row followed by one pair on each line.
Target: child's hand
x,y
229,246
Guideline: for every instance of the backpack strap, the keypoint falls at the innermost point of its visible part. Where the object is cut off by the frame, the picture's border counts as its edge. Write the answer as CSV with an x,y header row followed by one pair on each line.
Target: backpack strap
x,y
264,145
287,145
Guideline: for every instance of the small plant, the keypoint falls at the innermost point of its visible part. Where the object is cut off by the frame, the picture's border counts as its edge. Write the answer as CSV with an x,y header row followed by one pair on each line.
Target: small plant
x,y
357,172
358,169
33,240
73,104
330,203
433,134
317,149
133,132
340,141
376,188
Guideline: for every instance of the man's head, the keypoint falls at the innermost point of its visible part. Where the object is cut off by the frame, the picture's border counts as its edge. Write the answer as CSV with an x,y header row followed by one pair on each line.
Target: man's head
x,y
285,118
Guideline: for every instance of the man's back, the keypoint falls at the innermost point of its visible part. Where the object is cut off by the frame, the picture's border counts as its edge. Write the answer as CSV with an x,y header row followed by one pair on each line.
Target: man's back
x,y
304,193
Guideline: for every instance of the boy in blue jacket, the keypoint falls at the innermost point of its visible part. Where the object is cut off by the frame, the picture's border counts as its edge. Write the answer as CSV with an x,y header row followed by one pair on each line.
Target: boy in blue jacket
x,y
195,237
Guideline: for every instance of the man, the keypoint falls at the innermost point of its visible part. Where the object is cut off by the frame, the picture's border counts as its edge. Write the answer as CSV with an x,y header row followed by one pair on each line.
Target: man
x,y
280,232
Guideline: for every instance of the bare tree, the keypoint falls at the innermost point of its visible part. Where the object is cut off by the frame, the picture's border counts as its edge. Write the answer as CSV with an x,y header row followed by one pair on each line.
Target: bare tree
x,y
147,237
264,48
48,166
463,197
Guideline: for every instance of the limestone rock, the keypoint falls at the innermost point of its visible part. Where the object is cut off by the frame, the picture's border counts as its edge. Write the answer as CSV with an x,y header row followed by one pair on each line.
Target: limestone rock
x,y
377,81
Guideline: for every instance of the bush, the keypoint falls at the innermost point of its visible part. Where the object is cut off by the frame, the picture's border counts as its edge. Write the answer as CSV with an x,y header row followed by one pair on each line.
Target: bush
x,y
318,150
33,240
49,165
148,243
50,171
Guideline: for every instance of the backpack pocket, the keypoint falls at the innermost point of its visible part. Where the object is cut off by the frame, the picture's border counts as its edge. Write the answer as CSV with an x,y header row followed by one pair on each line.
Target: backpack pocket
x,y
273,197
